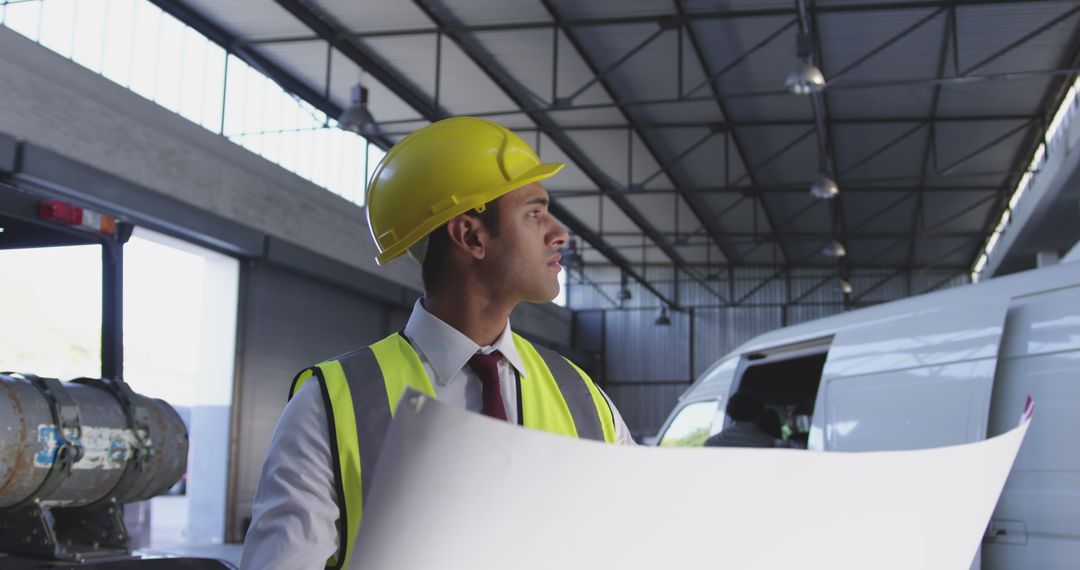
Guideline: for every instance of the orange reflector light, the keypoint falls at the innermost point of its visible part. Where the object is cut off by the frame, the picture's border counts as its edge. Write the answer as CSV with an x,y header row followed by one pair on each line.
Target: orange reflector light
x,y
64,213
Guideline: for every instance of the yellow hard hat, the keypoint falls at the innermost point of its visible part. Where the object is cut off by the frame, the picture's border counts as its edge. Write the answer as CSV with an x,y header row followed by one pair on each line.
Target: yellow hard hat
x,y
443,170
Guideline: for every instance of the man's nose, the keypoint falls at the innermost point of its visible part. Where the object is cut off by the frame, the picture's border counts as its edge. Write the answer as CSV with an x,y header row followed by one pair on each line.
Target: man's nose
x,y
558,235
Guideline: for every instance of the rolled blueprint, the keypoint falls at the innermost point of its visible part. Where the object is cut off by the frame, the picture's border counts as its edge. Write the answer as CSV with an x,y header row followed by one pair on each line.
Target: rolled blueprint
x,y
457,490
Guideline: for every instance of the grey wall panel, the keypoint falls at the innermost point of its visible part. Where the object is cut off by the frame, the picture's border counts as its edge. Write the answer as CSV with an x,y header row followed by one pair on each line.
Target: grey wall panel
x,y
796,314
289,323
589,331
645,407
816,286
719,331
879,285
638,350
934,281
760,285
547,324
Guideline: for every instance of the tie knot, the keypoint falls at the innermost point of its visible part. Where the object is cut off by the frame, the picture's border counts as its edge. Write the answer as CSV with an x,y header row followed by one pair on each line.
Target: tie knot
x,y
486,366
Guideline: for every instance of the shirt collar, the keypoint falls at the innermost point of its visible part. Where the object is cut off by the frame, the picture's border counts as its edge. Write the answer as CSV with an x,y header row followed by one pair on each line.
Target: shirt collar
x,y
447,350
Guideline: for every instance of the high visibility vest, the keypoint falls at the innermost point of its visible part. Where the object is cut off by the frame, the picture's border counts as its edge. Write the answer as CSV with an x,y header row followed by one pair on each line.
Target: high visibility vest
x,y
555,396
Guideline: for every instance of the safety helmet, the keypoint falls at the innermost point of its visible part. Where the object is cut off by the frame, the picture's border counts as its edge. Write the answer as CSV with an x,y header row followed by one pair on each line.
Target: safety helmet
x,y
440,171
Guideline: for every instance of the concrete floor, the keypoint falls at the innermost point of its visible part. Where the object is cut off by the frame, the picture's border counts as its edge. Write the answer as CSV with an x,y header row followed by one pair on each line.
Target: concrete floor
x,y
168,521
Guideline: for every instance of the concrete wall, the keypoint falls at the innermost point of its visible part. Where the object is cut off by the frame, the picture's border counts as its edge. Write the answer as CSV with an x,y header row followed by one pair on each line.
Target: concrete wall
x,y
60,105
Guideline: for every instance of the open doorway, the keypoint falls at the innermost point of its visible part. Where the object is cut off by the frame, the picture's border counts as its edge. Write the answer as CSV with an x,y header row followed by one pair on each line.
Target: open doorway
x,y
180,311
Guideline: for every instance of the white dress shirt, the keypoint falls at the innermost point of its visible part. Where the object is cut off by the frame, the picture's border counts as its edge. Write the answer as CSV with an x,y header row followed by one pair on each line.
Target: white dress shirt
x,y
295,506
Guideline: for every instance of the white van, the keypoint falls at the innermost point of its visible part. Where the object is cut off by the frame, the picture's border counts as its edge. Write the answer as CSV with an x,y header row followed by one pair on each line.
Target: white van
x,y
943,368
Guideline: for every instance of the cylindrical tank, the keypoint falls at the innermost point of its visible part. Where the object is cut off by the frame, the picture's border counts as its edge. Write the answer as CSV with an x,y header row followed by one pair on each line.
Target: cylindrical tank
x,y
28,441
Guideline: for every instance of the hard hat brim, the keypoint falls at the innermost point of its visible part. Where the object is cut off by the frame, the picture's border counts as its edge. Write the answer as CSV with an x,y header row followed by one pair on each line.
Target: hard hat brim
x,y
537,173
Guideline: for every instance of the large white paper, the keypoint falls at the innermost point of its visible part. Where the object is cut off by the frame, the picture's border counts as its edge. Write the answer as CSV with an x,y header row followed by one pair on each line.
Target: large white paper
x,y
459,490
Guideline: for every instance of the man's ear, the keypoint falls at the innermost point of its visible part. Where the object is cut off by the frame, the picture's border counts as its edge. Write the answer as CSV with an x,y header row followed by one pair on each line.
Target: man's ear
x,y
468,234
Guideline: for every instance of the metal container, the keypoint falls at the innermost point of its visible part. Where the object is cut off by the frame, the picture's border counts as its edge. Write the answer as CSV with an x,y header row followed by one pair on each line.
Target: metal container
x,y
29,439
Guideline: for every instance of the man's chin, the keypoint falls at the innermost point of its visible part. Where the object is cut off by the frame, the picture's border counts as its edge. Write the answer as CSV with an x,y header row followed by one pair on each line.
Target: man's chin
x,y
542,297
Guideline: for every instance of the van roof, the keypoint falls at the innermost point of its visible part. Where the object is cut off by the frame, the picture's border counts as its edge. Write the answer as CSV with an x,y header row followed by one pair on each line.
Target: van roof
x,y
999,289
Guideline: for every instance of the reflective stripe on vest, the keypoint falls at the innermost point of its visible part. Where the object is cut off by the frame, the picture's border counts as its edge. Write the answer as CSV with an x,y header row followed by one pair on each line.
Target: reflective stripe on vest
x,y
362,390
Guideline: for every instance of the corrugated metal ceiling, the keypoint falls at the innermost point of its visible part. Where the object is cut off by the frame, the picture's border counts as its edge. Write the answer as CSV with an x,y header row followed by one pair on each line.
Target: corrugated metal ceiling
x,y
621,90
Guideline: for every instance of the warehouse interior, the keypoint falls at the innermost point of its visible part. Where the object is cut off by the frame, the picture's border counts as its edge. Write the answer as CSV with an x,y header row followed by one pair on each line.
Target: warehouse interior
x,y
732,168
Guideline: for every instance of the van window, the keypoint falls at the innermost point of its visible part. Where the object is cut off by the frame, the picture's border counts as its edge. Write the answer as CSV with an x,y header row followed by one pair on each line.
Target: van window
x,y
691,426
788,386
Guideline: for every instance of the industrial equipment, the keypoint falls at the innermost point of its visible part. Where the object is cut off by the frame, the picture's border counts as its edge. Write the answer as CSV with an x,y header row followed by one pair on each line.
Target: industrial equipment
x,y
71,455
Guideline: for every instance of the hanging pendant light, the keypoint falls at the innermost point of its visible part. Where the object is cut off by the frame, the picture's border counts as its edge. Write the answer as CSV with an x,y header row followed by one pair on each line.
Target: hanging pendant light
x,y
805,77
662,319
834,249
356,118
624,293
824,188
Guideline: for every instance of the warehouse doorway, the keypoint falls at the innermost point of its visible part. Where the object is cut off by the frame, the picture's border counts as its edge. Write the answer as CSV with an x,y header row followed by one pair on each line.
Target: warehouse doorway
x,y
180,310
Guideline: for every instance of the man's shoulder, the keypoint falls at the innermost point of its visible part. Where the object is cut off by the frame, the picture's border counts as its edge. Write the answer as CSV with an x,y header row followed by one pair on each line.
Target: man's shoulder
x,y
363,351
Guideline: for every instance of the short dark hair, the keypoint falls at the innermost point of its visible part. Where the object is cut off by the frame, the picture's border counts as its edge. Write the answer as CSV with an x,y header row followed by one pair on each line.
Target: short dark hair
x,y
744,407
769,422
438,248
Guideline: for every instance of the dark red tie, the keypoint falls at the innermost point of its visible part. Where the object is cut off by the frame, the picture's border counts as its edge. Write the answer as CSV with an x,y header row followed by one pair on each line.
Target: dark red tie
x,y
486,367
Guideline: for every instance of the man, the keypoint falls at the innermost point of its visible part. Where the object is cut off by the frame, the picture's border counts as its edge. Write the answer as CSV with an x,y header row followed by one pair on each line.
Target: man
x,y
463,197
744,409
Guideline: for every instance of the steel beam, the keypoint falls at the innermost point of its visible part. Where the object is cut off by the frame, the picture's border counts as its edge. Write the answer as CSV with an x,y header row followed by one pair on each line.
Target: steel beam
x,y
1026,38
733,138
809,235
1050,104
931,142
952,166
880,150
472,49
746,191
368,61
928,81
695,207
624,20
834,77
215,33
328,31
825,137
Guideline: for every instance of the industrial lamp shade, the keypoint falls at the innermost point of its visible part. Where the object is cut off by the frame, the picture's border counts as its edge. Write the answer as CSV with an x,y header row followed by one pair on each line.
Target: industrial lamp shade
x,y
356,118
824,188
834,249
805,78
845,287
662,319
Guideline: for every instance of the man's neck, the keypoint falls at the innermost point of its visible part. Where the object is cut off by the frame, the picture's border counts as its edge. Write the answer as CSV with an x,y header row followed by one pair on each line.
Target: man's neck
x,y
475,315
